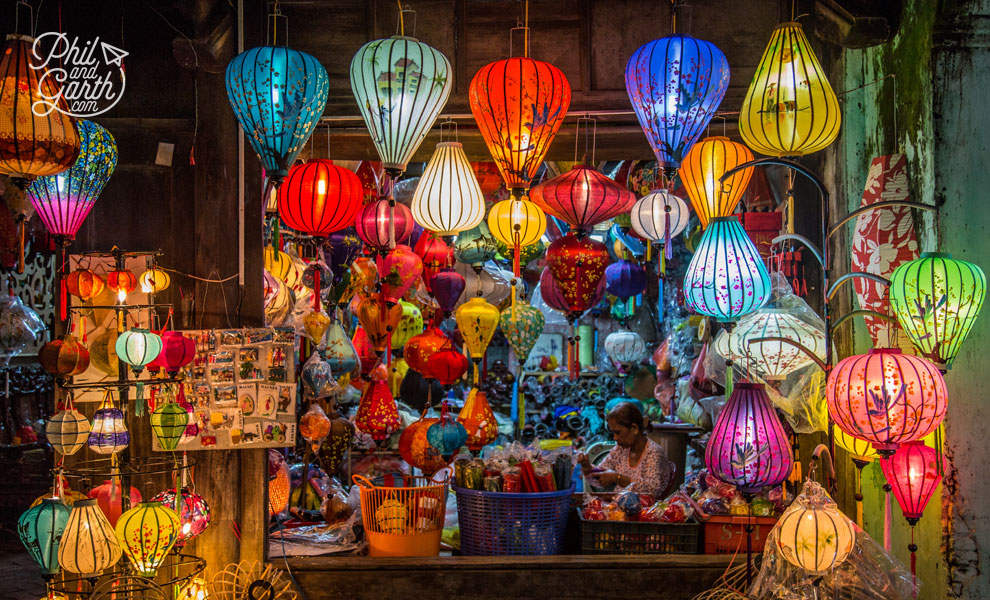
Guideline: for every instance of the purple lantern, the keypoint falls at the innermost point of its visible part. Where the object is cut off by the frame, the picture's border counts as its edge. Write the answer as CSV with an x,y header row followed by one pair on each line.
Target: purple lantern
x,y
340,250
625,279
447,286
748,447
555,300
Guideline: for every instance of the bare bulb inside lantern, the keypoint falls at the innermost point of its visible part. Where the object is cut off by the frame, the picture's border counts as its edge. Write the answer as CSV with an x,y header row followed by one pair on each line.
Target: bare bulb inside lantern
x,y
122,295
321,187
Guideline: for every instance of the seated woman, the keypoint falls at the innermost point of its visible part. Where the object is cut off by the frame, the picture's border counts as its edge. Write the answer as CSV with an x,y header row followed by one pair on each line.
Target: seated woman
x,y
635,458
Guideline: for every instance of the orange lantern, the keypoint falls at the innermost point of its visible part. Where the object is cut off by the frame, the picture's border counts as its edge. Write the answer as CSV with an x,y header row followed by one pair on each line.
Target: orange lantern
x,y
421,347
64,358
478,419
416,450
702,170
84,284
378,320
121,281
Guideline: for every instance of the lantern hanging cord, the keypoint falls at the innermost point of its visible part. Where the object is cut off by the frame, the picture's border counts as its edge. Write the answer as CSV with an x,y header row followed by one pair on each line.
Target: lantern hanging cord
x,y
402,18
224,280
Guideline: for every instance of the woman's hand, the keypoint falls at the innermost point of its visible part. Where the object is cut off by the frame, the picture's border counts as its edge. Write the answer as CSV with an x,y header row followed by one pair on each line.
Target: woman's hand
x,y
606,478
582,460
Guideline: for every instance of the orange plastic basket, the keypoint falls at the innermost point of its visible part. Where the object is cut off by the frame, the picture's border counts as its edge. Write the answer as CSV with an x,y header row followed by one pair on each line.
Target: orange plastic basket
x,y
403,515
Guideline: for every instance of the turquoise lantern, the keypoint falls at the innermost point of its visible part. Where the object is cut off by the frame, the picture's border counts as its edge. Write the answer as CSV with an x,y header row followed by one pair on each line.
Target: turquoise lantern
x,y
447,436
476,246
40,529
137,347
726,278
401,85
278,95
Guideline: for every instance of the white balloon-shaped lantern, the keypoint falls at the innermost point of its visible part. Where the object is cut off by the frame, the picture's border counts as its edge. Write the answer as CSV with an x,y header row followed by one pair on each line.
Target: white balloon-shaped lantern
x,y
625,347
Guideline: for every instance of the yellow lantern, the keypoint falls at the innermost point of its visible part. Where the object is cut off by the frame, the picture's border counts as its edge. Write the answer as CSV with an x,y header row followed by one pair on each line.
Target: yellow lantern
x,y
410,324
88,543
448,199
859,450
701,170
813,534
477,319
146,533
154,280
396,374
790,108
279,264
517,223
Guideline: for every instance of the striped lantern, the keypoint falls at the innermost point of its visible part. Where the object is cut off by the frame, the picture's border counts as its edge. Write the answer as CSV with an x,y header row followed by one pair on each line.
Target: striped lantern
x,y
64,358
194,512
121,281
658,217
146,534
84,284
154,280
625,347
88,543
384,223
772,360
138,347
109,433
319,198
448,199
168,423
701,174
41,528
813,534
67,431
582,198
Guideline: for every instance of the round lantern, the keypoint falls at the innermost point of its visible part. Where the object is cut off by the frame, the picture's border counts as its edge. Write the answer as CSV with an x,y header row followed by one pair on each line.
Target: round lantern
x,y
138,347
384,223
447,436
401,85
625,279
726,278
582,198
477,321
194,512
168,423
337,443
478,420
84,284
314,426
522,325
675,85
748,447
278,96
278,263
378,321
859,450
519,104
410,324
659,216
122,282
625,347
338,350
886,398
447,287
490,283
67,431
772,360
154,281
701,174
578,266
377,414
146,534
446,366
554,298
913,473
517,224
813,534
527,254
416,450
400,269
435,254
109,498
448,198
109,433
318,198
790,108
41,528
64,358
421,347
177,352
936,299
88,544
475,246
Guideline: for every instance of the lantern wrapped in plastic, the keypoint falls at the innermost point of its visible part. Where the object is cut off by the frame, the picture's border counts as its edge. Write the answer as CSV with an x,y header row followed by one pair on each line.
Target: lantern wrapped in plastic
x,y
168,423
138,347
416,449
316,375
789,108
318,198
676,84
378,321
410,324
109,498
67,431
315,323
478,420
773,360
702,171
401,84
338,350
519,104
477,320
146,534
625,347
177,352
726,278
447,287
84,284
748,447
490,283
475,246
278,96
337,443
40,529
377,414
277,263
20,326
278,300
88,544
64,358
578,266
109,433
193,511
913,472
384,223
400,269
446,366
522,325
448,199
936,299
421,347
625,279
813,534
886,398
582,198
314,426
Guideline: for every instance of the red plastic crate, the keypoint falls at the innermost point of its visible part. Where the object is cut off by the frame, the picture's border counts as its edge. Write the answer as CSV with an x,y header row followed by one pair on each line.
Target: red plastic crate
x,y
727,534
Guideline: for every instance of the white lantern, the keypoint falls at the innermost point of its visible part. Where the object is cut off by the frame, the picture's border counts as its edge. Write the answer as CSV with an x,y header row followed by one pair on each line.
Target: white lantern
x,y
625,347
649,215
67,431
88,544
773,360
448,199
813,534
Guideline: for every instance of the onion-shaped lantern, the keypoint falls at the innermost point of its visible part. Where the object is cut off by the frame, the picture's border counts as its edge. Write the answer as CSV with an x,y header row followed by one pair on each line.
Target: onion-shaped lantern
x,y
448,199
701,174
138,347
384,223
447,436
108,434
88,544
146,534
40,529
625,279
582,198
377,413
319,198
517,224
913,472
886,398
522,325
421,347
64,358
447,287
813,534
193,511
67,431
773,360
478,420
446,366
578,267
625,347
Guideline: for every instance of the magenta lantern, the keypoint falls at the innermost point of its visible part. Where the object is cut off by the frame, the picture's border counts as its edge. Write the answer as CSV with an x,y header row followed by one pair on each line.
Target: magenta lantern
x,y
384,223
177,352
447,286
400,269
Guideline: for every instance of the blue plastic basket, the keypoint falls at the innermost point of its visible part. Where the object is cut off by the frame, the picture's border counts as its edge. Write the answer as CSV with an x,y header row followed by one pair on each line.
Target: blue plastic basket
x,y
499,523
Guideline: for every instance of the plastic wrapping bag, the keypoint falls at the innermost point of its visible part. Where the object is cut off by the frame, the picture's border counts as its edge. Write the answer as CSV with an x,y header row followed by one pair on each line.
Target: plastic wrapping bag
x,y
20,327
552,316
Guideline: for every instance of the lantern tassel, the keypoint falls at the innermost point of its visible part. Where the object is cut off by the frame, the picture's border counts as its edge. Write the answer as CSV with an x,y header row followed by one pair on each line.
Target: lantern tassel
x,y
139,402
515,260
668,248
391,224
914,576
316,289
859,495
649,251
728,378
886,520
514,408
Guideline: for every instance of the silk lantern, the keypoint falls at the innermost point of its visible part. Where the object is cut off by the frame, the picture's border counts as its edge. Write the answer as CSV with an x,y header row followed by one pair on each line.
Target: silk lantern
x,y
108,434
400,269
625,347
477,321
421,347
378,321
726,278
522,325
447,286
367,355
936,299
410,324
154,280
146,534
193,511
582,198
447,436
517,223
658,217
340,249
168,423
278,96
527,254
702,171
748,447
177,352
475,246
577,265
338,350
813,534
138,347
415,448
446,366
886,398
772,360
625,279
318,198
64,358
478,420
789,108
384,223
277,263
88,543
64,200
554,298
40,529
675,84
377,414
337,443
109,498
84,284
490,283
122,282
913,472
401,85
519,104
435,254
448,199
67,431
397,371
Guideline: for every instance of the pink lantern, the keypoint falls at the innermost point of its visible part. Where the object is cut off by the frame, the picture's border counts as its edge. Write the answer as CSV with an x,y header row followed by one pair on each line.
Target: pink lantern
x,y
400,269
886,398
384,223
913,473
582,198
177,352
748,447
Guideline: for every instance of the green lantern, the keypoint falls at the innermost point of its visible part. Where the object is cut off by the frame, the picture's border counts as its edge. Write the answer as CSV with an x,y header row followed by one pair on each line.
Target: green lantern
x,y
522,326
527,254
936,299
40,529
168,423
475,246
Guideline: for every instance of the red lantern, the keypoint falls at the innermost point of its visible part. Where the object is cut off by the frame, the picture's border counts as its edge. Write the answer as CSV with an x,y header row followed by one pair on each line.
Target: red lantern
x,y
886,398
109,497
552,296
318,198
519,104
578,267
64,358
913,473
400,269
377,415
582,198
177,352
447,366
422,346
384,223
121,281
435,254
84,284
416,450
365,351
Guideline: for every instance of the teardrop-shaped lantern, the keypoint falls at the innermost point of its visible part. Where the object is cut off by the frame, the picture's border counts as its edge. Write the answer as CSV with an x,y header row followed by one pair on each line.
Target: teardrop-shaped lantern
x,y
478,420
401,84
790,108
339,352
701,174
64,200
914,473
578,267
400,269
447,286
410,324
519,104
477,321
319,198
377,413
726,278
40,529
676,84
522,325
338,442
476,245
448,199
582,198
278,96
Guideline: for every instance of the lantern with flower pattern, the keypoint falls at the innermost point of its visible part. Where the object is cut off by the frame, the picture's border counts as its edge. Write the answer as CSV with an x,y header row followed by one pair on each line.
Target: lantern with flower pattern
x,y
377,413
40,529
522,325
378,320
421,347
146,534
400,269
813,534
578,267
338,351
475,246
478,420
193,511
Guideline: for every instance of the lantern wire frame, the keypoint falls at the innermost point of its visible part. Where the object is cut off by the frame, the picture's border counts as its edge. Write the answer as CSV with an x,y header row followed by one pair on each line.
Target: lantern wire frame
x,y
448,198
177,569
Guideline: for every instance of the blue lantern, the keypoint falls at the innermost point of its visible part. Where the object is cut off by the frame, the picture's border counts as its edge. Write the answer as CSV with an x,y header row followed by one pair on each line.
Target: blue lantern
x,y
447,436
726,278
40,529
625,279
278,95
675,85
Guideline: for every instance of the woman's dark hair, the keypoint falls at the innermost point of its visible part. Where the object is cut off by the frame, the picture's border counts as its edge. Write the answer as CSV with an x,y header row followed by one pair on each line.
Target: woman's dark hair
x,y
628,415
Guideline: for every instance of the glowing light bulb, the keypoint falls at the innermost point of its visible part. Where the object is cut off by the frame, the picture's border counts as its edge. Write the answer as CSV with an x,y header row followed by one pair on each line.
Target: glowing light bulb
x,y
321,187
121,296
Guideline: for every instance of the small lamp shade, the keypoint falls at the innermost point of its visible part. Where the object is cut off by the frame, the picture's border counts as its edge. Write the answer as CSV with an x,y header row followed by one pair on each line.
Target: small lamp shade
x,y
748,447
789,108
88,543
936,299
582,198
138,347
377,414
476,245
578,267
146,534
625,279
339,352
478,420
675,85
625,347
177,352
168,423
109,433
319,198
193,511
522,326
316,375
67,431
913,475
477,321
400,270
651,214
401,85
886,398
448,199
154,281
410,324
40,529
421,347
519,104
64,358
382,222
726,278
702,170
771,360
813,534
446,366
278,96
84,284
